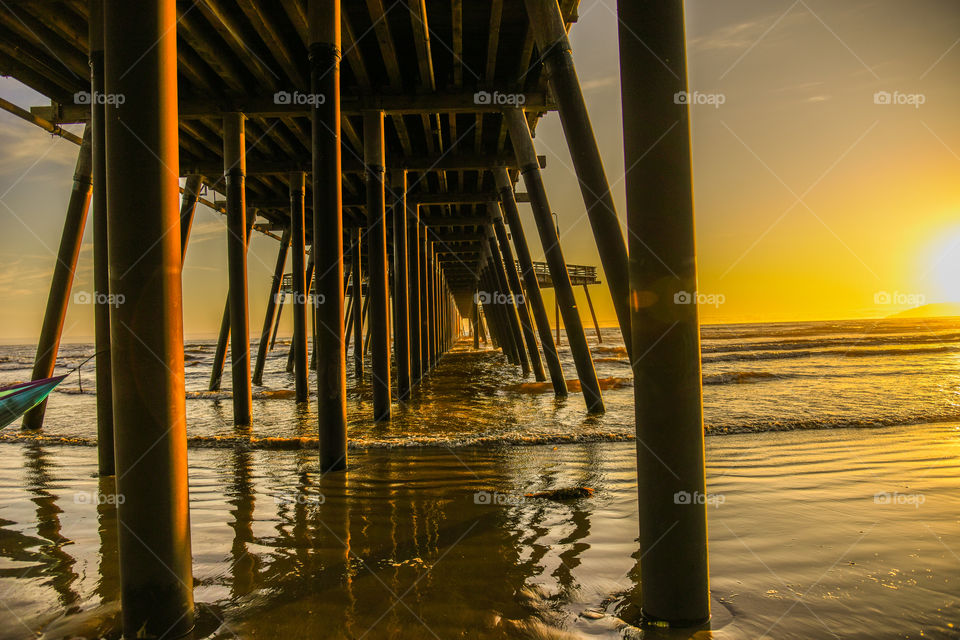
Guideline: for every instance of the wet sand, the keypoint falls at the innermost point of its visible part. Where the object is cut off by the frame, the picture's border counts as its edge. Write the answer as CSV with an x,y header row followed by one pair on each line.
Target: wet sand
x,y
437,542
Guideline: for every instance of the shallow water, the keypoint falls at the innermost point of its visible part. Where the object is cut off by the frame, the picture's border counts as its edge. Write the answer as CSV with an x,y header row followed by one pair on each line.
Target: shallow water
x,y
434,542
833,532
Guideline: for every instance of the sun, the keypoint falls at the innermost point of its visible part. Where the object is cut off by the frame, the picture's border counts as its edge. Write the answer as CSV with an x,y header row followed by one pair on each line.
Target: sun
x,y
942,263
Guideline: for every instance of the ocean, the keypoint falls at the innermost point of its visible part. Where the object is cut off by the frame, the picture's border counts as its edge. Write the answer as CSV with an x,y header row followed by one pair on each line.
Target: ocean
x,y
817,529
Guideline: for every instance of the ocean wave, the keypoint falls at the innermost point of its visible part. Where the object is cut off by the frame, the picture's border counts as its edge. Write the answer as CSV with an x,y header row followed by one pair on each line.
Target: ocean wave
x,y
508,439
740,377
838,353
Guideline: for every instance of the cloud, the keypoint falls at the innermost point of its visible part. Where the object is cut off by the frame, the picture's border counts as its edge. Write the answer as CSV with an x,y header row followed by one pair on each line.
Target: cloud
x,y
599,83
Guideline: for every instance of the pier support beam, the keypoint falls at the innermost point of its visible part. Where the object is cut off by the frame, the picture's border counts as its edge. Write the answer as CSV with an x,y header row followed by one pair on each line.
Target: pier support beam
x,y
413,287
532,295
551,38
373,159
300,286
234,171
324,17
220,354
401,332
667,383
424,303
475,322
357,293
149,405
507,302
188,207
520,299
530,169
272,306
62,281
101,266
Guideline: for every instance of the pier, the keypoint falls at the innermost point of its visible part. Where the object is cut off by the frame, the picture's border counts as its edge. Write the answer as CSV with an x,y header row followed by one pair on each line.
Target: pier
x,y
383,146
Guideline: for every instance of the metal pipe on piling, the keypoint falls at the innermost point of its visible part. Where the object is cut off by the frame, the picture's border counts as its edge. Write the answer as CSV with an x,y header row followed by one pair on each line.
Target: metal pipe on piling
x,y
149,403
674,568
530,170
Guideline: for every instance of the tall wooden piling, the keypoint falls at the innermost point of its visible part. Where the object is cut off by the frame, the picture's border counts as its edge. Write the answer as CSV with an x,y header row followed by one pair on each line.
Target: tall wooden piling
x,y
475,321
220,353
401,331
552,41
272,306
235,170
62,281
507,302
516,288
413,286
533,298
373,158
530,170
667,383
149,405
301,289
357,293
101,266
325,57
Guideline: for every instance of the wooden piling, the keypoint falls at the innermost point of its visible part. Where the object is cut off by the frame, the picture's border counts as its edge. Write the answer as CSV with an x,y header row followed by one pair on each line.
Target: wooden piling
x,y
401,332
373,159
272,306
301,289
530,170
357,293
593,314
533,297
331,369
62,281
551,37
101,266
507,302
234,170
413,286
516,288
674,568
424,303
156,580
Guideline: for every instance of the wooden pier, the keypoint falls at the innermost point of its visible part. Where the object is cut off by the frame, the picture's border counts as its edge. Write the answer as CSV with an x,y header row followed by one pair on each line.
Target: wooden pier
x,y
381,144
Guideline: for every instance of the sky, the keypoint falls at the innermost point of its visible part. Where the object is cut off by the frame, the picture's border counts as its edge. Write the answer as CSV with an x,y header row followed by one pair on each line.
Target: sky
x,y
816,196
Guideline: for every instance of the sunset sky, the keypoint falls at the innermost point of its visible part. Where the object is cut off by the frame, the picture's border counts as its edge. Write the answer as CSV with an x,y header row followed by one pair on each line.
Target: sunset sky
x,y
813,201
